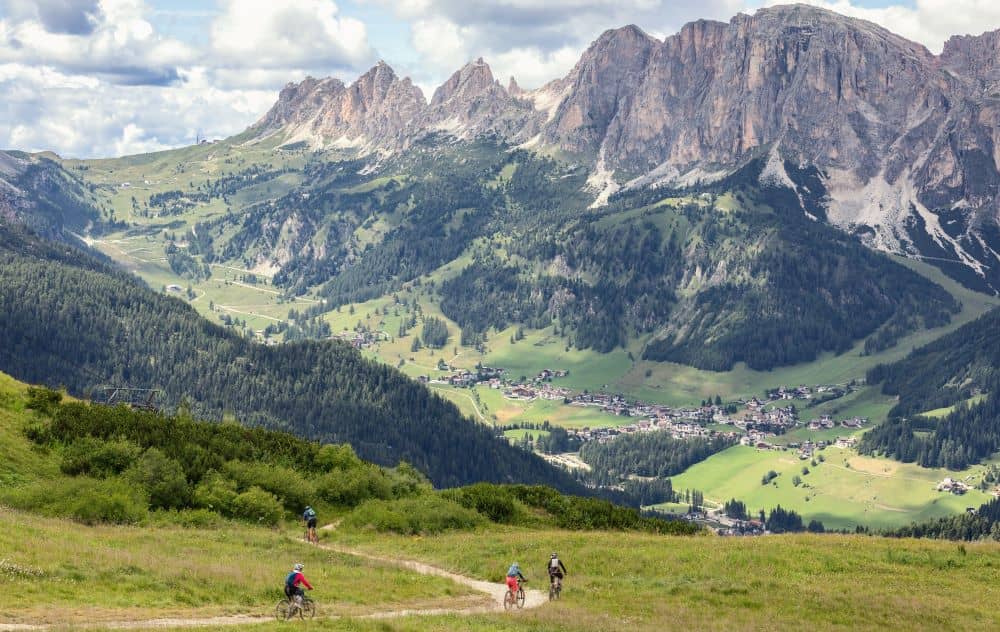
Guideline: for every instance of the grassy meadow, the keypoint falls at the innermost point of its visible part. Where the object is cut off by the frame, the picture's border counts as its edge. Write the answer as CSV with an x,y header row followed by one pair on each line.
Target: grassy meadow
x,y
843,491
637,582
56,571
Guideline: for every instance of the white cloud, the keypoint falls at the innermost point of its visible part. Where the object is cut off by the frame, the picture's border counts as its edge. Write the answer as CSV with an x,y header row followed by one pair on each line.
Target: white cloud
x,y
117,42
291,33
80,116
94,77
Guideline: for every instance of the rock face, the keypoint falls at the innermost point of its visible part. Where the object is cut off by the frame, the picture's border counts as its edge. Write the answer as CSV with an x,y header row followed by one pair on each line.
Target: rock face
x,y
907,143
472,103
376,113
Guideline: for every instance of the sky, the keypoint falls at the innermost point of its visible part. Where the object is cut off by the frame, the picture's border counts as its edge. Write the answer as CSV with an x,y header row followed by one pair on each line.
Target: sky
x,y
96,78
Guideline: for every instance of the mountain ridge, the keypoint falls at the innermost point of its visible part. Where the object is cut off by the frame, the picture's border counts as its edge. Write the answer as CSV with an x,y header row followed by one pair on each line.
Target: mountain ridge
x,y
907,142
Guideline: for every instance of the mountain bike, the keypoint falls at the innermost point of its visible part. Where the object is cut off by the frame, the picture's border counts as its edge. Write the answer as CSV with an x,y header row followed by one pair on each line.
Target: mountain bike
x,y
284,610
511,598
555,587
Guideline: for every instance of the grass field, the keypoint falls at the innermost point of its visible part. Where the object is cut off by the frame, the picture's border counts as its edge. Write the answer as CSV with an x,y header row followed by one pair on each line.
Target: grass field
x,y
65,572
844,491
634,582
944,412
56,571
615,581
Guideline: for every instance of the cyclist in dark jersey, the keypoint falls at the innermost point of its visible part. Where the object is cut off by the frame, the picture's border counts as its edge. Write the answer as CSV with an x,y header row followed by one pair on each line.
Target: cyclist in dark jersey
x,y
309,517
556,569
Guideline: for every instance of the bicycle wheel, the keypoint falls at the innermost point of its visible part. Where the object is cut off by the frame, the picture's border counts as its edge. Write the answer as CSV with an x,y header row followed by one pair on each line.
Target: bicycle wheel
x,y
281,610
308,610
552,592
520,597
508,600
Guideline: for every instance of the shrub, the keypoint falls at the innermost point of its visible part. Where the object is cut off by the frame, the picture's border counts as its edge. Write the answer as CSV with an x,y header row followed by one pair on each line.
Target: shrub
x,y
291,489
108,501
577,513
257,505
426,514
496,503
337,457
216,493
188,518
99,458
85,499
351,487
162,478
44,400
407,480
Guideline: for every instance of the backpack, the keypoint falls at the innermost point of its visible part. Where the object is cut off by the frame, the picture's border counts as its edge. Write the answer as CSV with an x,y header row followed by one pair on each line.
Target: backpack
x,y
309,514
290,580
554,564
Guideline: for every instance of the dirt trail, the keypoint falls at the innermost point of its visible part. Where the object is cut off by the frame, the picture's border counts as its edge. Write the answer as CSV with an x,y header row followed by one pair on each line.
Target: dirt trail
x,y
496,592
532,597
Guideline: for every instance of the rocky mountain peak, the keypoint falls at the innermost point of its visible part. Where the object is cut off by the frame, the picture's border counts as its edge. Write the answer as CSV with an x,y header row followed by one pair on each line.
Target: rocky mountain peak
x,y
470,81
473,103
607,73
513,89
976,56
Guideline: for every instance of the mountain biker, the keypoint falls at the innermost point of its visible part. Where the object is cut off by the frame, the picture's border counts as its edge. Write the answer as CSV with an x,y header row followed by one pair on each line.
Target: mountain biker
x,y
514,574
293,588
309,517
556,569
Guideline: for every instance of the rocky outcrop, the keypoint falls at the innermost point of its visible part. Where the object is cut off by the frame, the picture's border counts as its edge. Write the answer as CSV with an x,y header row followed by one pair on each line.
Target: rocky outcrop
x,y
472,103
601,85
378,112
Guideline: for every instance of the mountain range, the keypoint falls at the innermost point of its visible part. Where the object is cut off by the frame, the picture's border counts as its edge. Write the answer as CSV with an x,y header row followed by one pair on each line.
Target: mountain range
x,y
906,143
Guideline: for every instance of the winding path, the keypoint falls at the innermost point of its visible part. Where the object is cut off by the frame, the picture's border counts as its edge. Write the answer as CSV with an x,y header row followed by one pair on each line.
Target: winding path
x,y
496,592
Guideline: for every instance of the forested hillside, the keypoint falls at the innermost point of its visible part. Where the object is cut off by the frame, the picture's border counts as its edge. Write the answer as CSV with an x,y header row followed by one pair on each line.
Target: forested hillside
x,y
36,191
982,524
961,371
946,371
72,321
730,273
710,275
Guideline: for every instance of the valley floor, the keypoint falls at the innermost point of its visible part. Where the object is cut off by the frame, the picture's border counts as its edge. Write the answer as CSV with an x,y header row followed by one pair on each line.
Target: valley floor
x,y
843,491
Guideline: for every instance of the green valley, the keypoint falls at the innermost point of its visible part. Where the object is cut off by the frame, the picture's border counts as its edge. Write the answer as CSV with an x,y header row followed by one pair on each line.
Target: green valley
x,y
246,233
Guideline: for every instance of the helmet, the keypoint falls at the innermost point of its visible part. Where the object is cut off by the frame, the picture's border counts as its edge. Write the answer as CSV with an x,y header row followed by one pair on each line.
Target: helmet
x,y
297,568
554,556
308,507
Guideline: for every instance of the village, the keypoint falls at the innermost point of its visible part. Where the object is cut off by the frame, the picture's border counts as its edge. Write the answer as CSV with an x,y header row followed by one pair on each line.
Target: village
x,y
756,422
